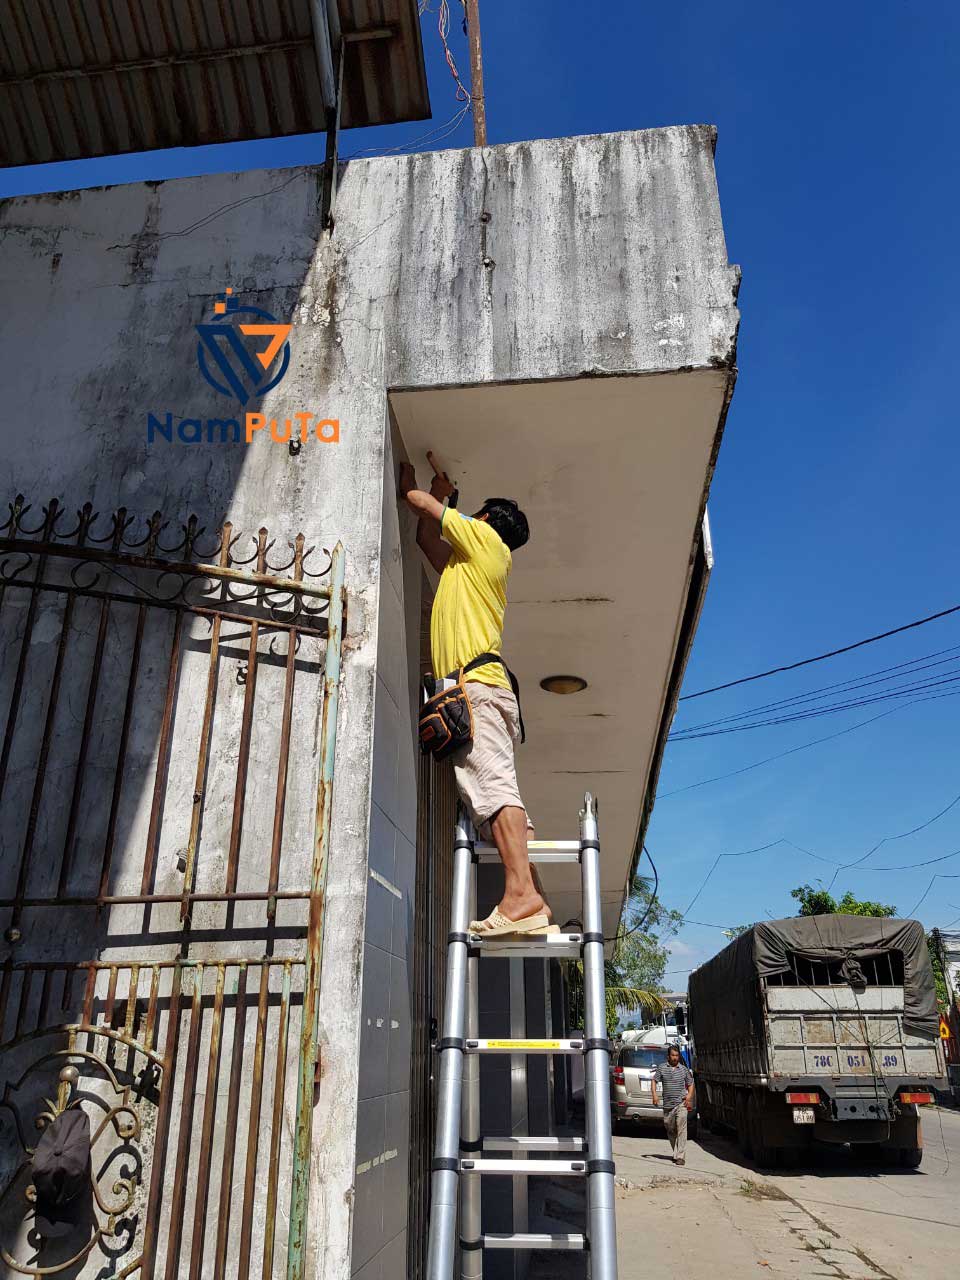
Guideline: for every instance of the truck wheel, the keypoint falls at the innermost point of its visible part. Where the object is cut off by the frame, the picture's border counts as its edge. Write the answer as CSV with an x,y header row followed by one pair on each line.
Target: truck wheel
x,y
743,1127
910,1157
765,1157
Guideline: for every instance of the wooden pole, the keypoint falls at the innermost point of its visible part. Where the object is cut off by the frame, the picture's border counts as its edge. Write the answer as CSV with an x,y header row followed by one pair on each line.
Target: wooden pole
x,y
476,74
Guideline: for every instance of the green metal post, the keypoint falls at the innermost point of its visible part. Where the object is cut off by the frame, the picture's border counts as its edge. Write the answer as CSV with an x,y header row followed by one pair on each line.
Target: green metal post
x,y
303,1137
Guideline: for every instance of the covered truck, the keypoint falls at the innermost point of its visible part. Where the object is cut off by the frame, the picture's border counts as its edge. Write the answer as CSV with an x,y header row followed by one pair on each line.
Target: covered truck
x,y
818,1028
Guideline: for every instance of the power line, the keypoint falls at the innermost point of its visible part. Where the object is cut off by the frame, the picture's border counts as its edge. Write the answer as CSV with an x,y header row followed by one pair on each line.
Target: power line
x,y
721,777
840,866
791,709
941,875
821,657
812,695
891,839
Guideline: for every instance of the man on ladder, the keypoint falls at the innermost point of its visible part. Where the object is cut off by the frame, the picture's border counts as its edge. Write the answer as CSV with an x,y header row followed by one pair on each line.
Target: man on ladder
x,y
478,732
473,555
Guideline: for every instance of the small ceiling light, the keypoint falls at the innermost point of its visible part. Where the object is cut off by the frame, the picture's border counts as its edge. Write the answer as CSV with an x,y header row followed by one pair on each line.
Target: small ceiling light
x,y
563,684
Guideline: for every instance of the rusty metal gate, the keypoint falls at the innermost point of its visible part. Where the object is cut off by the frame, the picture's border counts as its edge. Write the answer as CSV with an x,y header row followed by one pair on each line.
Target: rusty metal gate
x,y
168,706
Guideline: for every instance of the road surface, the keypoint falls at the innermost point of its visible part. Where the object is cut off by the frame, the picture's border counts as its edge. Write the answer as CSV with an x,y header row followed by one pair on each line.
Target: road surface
x,y
905,1222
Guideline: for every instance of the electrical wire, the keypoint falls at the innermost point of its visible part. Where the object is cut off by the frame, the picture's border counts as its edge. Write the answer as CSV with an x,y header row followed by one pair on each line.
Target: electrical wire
x,y
786,714
822,657
437,134
740,854
443,28
840,866
847,686
941,875
618,937
804,746
890,839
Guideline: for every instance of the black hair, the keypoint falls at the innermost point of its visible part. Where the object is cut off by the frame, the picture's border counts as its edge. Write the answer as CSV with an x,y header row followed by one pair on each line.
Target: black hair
x,y
505,516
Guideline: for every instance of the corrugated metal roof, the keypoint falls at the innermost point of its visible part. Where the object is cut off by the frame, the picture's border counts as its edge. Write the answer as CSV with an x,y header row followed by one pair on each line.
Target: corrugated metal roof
x,y
83,78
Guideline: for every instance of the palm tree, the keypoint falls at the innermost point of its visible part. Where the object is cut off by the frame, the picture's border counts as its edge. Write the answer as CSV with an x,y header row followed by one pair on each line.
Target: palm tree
x,y
618,997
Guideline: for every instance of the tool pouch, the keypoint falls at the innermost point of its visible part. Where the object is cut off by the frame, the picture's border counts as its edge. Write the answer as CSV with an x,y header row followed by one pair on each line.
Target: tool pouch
x,y
446,717
446,720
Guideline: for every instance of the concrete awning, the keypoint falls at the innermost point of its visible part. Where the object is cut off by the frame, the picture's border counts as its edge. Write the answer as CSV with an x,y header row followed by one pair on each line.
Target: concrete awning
x,y
613,474
88,79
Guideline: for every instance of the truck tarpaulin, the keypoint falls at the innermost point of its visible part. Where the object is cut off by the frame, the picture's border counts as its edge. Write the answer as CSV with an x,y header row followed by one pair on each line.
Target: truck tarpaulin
x,y
765,950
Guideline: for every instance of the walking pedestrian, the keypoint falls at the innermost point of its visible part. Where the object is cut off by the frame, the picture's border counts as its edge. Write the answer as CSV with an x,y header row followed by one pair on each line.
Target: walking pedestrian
x,y
675,1080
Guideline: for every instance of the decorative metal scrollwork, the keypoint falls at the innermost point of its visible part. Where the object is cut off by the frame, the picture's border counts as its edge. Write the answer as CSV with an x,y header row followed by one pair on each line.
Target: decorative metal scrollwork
x,y
113,557
115,1106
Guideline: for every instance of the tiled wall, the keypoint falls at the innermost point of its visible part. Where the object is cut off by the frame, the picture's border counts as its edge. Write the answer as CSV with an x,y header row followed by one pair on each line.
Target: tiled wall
x,y
383,1111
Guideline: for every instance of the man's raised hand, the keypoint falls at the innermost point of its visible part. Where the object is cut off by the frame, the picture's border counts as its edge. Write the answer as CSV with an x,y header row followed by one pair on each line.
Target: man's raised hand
x,y
441,485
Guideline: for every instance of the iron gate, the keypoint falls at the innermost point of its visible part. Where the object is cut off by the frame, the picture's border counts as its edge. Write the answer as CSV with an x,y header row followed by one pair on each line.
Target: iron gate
x,y
162,960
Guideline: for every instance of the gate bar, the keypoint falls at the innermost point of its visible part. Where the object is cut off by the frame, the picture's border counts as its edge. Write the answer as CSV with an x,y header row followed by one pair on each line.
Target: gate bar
x,y
303,1137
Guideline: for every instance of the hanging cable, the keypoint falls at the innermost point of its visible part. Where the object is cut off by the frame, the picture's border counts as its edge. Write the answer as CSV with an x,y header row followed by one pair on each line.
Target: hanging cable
x,y
618,937
822,657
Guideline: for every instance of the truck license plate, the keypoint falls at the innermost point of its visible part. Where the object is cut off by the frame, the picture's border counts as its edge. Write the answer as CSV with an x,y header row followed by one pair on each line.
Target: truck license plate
x,y
803,1115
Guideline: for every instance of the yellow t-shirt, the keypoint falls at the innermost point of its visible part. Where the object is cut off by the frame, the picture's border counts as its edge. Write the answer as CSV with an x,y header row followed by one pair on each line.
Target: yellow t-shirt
x,y
467,617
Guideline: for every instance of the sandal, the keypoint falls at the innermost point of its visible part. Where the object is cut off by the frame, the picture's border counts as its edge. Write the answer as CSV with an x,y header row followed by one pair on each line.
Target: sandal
x,y
497,925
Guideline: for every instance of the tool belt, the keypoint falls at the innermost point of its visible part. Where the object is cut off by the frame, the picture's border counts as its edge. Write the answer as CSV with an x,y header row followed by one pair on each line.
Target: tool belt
x,y
446,717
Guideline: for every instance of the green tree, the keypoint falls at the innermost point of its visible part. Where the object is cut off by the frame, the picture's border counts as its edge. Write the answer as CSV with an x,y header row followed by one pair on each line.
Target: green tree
x,y
819,902
634,973
936,960
641,953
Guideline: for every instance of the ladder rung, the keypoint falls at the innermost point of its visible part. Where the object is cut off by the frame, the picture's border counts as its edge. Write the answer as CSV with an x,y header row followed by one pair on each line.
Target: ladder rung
x,y
537,850
528,1168
528,1240
534,1144
549,946
524,1046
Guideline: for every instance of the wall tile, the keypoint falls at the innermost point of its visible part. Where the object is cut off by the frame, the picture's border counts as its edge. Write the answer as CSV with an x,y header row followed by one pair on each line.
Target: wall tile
x,y
385,743
398,1065
382,842
405,877
391,643
395,1170
368,1237
408,765
393,1259
373,1270
378,928
374,1022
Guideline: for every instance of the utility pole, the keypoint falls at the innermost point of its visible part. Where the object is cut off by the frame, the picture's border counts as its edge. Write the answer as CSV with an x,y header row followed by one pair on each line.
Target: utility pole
x,y
476,74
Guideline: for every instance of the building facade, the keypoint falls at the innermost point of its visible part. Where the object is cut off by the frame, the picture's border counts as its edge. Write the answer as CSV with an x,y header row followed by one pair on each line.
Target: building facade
x,y
223,863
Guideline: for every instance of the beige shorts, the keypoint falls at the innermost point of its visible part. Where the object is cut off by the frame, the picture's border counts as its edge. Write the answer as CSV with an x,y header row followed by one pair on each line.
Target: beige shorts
x,y
486,772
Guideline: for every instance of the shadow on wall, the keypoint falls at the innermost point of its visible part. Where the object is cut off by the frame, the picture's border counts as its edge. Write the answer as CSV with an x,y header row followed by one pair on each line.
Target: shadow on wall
x,y
159,722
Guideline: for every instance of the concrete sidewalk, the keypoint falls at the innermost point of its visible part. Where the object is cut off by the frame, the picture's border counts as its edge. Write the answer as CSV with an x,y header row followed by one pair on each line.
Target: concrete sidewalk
x,y
711,1220
725,1229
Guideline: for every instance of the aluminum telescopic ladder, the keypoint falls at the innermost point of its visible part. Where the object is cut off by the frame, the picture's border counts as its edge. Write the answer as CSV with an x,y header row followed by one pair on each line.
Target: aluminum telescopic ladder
x,y
460,1160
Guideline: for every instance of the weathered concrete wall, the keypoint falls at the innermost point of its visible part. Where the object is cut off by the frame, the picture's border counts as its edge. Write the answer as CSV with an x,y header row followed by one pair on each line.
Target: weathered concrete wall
x,y
537,260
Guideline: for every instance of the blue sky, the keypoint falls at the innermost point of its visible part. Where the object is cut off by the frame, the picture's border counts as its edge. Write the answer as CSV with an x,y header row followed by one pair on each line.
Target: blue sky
x,y
834,504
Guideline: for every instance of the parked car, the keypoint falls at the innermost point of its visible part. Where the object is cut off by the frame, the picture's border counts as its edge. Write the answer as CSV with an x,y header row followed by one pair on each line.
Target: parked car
x,y
632,1067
